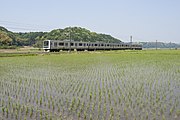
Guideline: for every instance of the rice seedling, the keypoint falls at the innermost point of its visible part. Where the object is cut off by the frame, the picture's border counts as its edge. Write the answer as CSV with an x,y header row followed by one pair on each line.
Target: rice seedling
x,y
110,85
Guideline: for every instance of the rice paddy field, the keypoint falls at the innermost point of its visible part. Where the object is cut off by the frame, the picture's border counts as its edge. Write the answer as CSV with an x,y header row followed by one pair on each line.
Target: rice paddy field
x,y
111,85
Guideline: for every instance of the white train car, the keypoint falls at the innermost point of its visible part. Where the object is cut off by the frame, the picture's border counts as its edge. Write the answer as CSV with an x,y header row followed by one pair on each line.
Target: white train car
x,y
57,45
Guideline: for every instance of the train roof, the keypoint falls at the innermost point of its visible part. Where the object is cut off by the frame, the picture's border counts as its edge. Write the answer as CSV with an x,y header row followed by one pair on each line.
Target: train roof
x,y
127,43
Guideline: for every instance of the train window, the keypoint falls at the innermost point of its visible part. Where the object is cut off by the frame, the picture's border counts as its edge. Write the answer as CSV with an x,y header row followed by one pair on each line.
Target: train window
x,y
46,44
66,44
80,44
72,44
75,44
102,44
61,44
95,44
107,45
84,44
92,45
55,44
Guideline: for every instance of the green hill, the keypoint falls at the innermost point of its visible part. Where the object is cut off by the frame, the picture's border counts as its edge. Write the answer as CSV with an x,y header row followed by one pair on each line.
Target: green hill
x,y
35,38
78,34
6,37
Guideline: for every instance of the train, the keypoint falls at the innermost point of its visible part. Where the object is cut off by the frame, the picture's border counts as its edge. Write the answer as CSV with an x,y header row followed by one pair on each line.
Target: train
x,y
58,45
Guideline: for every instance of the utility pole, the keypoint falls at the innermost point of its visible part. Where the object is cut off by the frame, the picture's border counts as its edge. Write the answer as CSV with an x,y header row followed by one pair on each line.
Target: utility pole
x,y
156,44
70,40
170,45
88,45
131,41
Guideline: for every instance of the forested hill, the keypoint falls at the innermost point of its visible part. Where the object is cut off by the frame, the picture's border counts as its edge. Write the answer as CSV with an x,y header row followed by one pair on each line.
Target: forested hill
x,y
8,38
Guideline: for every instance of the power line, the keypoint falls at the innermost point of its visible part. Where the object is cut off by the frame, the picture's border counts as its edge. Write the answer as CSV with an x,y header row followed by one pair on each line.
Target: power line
x,y
24,26
20,28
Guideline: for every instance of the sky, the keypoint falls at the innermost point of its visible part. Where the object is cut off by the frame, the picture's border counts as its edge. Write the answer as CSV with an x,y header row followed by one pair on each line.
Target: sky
x,y
145,20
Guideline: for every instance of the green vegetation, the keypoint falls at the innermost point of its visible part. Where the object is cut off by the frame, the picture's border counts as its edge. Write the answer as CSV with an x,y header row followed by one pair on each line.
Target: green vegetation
x,y
159,45
8,38
91,85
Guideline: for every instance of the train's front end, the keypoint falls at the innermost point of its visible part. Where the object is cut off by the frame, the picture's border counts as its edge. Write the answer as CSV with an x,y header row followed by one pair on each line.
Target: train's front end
x,y
47,45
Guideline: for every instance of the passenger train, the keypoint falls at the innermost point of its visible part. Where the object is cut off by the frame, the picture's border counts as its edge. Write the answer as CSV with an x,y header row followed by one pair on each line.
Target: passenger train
x,y
57,45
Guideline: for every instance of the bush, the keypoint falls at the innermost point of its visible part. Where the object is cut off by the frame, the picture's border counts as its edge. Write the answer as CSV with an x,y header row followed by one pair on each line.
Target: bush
x,y
8,47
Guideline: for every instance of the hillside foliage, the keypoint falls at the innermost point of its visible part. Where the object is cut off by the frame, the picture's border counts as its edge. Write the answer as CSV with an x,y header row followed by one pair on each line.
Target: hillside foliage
x,y
9,38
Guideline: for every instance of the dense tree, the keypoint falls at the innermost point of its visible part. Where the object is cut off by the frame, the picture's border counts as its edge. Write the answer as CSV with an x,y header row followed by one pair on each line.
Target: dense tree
x,y
5,39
